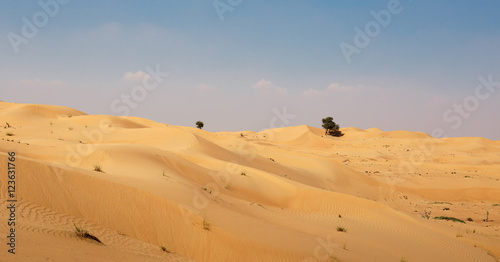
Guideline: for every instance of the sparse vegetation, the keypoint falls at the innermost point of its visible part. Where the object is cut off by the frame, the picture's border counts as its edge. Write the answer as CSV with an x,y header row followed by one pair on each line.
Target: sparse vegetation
x,y
200,124
491,255
404,259
333,258
341,229
459,235
470,219
243,173
70,129
446,209
206,225
440,203
427,214
164,249
496,205
487,216
228,186
454,219
10,134
98,168
331,128
80,232
70,115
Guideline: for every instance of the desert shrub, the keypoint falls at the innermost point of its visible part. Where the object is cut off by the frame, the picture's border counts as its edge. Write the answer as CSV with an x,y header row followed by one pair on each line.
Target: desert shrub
x,y
450,218
436,202
341,229
206,225
80,232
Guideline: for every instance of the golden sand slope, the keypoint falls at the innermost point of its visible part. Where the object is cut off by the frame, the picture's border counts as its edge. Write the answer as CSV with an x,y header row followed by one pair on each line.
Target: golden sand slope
x,y
277,195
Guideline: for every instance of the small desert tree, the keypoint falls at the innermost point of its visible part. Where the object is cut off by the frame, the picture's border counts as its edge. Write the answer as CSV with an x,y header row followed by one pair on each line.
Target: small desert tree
x,y
328,124
331,128
199,124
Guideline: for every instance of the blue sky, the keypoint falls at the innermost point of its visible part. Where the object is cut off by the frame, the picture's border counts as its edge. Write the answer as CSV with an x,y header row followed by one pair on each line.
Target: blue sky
x,y
263,58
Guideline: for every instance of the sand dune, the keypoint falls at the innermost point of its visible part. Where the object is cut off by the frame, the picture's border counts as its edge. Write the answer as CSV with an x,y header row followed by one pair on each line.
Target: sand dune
x,y
276,195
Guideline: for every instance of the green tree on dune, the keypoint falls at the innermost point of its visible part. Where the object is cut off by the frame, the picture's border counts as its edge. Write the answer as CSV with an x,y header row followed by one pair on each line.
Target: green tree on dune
x,y
199,124
331,128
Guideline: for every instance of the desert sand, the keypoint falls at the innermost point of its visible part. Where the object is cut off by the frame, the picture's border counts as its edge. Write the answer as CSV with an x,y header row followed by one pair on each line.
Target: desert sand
x,y
288,194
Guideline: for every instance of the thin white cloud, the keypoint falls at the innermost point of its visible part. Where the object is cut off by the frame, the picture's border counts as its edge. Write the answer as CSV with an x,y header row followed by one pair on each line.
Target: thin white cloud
x,y
111,27
135,77
107,31
312,92
37,83
337,87
265,87
205,88
332,88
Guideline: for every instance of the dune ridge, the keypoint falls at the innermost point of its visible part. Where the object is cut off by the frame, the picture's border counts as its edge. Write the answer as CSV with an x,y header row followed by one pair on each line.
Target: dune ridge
x,y
275,195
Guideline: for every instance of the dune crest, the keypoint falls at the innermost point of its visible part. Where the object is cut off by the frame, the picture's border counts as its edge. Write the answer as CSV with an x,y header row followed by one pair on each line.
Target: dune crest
x,y
286,194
